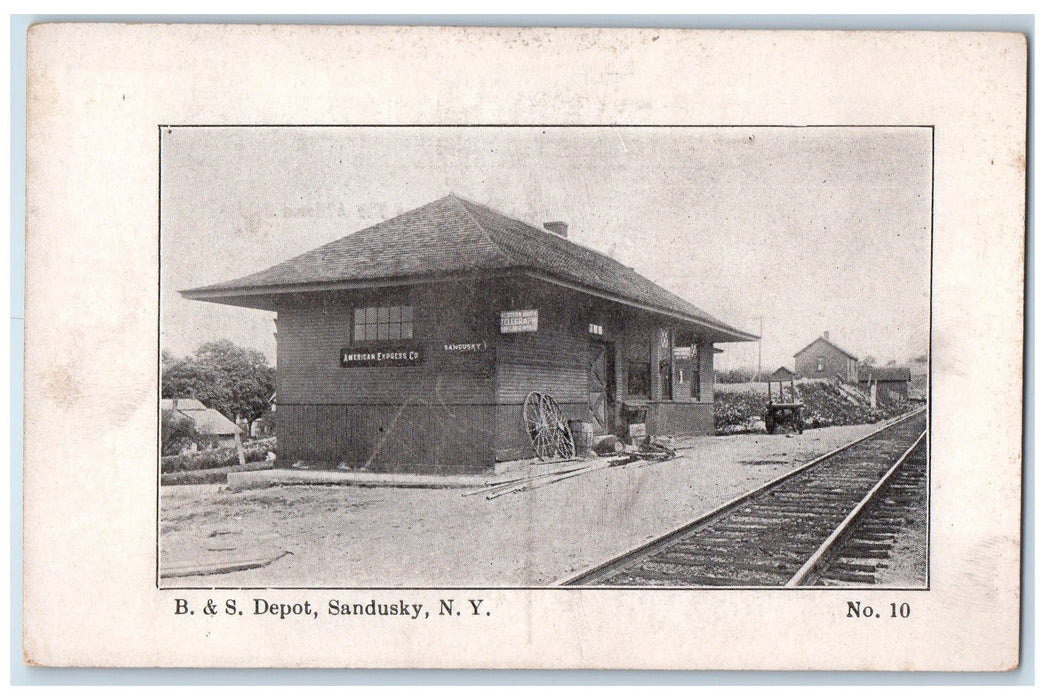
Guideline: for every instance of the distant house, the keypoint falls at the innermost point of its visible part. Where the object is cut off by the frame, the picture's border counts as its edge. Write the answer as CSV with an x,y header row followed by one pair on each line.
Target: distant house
x,y
822,359
890,383
215,429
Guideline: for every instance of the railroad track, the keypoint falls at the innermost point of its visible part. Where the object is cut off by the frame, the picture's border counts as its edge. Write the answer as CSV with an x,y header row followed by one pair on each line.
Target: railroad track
x,y
886,543
789,532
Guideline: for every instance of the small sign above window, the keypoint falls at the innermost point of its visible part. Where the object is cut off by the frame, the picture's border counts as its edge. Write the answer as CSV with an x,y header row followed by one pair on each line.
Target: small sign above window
x,y
523,321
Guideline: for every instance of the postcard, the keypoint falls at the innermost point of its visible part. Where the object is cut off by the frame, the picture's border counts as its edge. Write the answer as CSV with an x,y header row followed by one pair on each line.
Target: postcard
x,y
439,347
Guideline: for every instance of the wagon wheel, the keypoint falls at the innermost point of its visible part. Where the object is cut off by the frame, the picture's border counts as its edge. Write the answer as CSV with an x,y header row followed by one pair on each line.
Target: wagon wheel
x,y
532,422
563,438
539,428
545,424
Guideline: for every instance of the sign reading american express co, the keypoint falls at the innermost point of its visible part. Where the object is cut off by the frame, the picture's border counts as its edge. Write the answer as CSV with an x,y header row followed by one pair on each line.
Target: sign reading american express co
x,y
523,321
383,357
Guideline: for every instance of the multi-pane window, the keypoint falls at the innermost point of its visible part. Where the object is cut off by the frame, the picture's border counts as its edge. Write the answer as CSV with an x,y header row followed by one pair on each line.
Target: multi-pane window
x,y
383,323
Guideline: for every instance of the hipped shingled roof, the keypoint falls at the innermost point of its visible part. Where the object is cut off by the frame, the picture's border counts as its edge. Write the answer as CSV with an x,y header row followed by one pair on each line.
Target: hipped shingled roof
x,y
453,236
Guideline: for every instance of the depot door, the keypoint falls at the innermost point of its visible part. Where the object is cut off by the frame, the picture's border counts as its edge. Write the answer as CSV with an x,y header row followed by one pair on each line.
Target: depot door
x,y
602,387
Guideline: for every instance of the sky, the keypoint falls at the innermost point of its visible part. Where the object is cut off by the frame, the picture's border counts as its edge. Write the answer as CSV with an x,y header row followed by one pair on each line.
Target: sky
x,y
794,230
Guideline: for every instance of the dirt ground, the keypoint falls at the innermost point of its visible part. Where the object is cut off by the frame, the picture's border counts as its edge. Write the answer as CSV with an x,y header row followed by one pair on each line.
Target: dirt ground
x,y
353,536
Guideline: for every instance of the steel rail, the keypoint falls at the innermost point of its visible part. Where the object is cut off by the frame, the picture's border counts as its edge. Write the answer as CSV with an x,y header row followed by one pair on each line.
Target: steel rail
x,y
520,479
811,564
615,564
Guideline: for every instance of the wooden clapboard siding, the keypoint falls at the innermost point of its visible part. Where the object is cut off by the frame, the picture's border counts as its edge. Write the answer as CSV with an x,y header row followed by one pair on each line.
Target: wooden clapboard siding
x,y
313,331
433,417
456,411
554,359
432,438
564,384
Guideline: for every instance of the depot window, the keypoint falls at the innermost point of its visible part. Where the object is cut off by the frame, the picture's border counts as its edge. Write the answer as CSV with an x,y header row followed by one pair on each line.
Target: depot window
x,y
383,323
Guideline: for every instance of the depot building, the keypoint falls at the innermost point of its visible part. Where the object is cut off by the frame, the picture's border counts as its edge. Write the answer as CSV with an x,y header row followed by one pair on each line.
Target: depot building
x,y
411,345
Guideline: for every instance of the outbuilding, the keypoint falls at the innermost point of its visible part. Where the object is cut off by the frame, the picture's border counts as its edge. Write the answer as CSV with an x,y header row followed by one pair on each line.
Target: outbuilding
x,y
888,383
411,345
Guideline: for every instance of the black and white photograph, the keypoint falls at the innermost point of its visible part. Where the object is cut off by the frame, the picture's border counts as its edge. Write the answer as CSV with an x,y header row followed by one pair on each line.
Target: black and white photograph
x,y
541,356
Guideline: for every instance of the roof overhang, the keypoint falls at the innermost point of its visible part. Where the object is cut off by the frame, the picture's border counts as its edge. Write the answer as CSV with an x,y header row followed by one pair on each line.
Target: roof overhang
x,y
266,297
717,332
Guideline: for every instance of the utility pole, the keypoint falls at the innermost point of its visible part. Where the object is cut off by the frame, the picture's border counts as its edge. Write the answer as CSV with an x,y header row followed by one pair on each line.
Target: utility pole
x,y
759,372
760,347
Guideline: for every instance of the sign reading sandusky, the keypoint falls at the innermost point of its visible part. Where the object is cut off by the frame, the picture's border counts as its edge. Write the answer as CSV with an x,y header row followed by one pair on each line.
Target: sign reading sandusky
x,y
522,321
400,356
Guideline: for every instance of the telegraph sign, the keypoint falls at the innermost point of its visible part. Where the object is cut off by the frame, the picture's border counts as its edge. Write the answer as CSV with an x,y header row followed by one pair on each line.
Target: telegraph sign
x,y
523,321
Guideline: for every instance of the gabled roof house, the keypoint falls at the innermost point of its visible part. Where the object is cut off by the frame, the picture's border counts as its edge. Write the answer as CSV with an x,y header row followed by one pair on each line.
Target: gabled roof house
x,y
824,359
214,427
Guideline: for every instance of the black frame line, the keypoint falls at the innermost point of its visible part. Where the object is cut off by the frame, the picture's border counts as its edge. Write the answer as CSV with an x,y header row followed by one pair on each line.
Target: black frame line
x,y
643,590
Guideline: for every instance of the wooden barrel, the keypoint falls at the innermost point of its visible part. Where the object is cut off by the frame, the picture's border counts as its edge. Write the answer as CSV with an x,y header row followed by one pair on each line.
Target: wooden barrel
x,y
583,436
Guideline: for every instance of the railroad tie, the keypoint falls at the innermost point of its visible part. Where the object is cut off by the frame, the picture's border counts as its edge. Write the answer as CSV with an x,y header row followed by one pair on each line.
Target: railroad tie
x,y
858,564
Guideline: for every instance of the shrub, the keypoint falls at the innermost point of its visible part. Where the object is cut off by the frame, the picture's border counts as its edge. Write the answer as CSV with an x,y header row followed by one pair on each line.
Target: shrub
x,y
733,376
208,476
255,451
738,412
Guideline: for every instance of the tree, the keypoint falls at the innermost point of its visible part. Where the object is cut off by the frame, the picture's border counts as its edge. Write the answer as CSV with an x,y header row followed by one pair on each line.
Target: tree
x,y
176,432
868,361
236,381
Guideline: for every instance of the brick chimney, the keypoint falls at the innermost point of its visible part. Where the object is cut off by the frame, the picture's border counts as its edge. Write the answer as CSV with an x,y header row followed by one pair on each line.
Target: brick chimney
x,y
557,227
827,335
